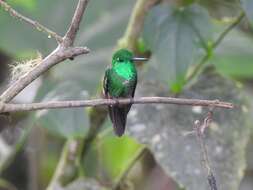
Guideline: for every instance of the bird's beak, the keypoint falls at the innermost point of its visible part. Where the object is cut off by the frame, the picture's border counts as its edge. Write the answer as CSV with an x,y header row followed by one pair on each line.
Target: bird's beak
x,y
139,59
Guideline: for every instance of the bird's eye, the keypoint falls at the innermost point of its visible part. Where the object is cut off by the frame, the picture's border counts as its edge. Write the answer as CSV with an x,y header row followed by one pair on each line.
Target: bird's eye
x,y
120,60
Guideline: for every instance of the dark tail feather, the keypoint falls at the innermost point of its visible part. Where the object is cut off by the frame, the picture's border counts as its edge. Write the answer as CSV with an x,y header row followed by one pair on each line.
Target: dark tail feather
x,y
118,117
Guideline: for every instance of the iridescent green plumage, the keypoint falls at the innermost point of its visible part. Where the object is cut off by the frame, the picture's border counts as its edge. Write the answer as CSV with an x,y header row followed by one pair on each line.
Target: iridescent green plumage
x,y
120,82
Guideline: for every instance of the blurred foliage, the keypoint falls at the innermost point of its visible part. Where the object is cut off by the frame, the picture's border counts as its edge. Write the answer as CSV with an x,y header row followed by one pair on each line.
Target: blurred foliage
x,y
110,156
233,56
178,37
122,147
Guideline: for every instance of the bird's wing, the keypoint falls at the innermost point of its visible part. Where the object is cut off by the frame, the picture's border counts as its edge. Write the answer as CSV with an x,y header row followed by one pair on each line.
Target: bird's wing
x,y
117,114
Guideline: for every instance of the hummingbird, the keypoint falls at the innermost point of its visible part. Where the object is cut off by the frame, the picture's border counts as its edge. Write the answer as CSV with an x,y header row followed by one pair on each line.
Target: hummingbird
x,y
120,81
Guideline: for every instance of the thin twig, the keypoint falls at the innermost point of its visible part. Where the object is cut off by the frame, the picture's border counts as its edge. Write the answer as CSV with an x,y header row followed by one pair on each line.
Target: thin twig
x,y
102,102
200,130
34,23
75,23
215,45
228,29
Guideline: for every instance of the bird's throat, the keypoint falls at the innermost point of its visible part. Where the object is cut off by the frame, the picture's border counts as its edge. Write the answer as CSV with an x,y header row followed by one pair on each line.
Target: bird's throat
x,y
125,70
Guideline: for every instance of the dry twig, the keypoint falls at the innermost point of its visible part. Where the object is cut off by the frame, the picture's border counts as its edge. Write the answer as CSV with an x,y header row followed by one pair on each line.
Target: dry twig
x,y
62,52
200,130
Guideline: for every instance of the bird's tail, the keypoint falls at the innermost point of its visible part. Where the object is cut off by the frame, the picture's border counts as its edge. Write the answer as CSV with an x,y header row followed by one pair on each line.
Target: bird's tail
x,y
118,116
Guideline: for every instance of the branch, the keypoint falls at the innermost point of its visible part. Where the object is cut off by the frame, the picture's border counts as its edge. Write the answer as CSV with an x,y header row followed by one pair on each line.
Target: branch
x,y
103,102
215,45
200,130
35,24
75,23
62,52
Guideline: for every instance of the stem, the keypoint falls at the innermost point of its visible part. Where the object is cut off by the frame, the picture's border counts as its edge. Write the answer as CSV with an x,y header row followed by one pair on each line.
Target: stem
x,y
199,66
200,130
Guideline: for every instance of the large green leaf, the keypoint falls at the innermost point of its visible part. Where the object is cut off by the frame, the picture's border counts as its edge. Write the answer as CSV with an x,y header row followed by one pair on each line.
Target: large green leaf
x,y
248,7
176,37
116,154
234,56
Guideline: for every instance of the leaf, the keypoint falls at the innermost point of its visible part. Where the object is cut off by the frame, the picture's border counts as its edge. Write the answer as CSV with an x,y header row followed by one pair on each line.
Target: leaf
x,y
177,38
116,153
72,122
248,7
164,129
233,56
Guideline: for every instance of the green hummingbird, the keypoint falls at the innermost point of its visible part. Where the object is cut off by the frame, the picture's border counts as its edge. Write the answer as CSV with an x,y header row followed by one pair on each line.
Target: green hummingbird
x,y
120,81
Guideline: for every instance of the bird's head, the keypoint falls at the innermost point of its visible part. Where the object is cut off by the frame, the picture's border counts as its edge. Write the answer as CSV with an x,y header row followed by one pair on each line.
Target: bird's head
x,y
125,56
